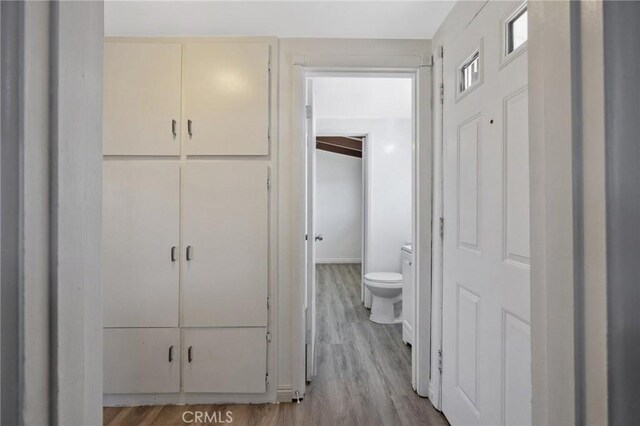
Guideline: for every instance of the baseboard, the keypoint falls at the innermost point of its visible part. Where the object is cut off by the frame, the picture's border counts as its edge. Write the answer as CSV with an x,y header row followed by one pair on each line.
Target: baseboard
x,y
285,394
343,260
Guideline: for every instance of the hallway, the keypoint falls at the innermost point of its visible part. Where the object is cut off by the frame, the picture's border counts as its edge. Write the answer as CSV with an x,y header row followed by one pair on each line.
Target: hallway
x,y
363,376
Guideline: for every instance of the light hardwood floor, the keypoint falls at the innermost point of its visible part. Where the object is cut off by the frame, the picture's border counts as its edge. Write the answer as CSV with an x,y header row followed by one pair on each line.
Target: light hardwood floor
x,y
364,375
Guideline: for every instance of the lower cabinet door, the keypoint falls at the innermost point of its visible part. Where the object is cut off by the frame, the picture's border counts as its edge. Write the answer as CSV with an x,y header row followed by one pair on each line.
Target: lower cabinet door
x,y
141,360
225,360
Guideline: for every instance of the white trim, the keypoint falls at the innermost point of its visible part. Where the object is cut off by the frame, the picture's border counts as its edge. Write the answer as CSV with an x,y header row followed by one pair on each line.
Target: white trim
x,y
284,394
339,260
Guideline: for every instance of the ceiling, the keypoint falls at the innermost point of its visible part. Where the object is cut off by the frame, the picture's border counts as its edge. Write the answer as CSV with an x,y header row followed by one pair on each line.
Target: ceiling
x,y
321,19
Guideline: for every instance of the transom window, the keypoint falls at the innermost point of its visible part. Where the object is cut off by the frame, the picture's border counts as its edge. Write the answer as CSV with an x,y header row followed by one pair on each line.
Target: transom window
x,y
470,72
517,29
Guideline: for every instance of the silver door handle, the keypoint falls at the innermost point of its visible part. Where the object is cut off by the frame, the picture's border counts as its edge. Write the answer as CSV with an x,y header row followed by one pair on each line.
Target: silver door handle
x,y
173,253
319,237
173,127
171,353
189,252
189,127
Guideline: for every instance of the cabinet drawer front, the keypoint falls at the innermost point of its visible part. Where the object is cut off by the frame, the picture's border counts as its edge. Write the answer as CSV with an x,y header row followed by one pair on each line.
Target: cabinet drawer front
x,y
141,360
225,228
141,217
142,91
226,97
225,360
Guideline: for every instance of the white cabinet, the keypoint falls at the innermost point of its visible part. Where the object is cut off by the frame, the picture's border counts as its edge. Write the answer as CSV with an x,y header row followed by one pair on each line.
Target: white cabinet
x,y
141,219
142,90
141,360
225,237
408,296
226,98
225,360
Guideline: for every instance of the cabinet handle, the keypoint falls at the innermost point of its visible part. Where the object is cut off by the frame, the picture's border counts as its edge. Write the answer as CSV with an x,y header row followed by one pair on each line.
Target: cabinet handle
x,y
171,353
188,252
189,353
173,127
173,253
189,127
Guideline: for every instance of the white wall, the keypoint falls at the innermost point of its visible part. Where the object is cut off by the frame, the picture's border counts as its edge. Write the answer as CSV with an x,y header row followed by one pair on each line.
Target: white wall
x,y
381,109
338,212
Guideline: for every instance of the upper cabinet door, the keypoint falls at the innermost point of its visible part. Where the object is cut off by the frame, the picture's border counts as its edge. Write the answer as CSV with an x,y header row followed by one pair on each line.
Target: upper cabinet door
x,y
225,237
226,99
142,83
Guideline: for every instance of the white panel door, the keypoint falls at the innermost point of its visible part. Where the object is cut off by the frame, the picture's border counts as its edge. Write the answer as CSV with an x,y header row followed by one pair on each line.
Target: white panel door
x,y
142,90
226,98
225,360
486,316
140,253
141,360
225,235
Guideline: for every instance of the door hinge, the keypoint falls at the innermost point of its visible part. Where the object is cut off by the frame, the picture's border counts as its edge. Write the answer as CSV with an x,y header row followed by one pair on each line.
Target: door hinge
x,y
268,337
309,111
306,237
268,302
442,227
441,52
440,360
266,378
268,183
269,134
442,93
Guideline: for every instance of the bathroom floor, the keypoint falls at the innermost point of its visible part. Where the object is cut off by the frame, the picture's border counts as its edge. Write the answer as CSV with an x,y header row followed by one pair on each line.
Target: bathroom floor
x,y
363,372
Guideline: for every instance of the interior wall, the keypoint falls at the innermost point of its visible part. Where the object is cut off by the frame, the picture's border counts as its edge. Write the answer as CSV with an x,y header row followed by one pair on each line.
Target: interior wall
x,y
338,214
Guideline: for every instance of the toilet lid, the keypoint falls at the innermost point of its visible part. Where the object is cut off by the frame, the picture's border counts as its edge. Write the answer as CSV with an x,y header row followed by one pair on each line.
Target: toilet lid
x,y
383,277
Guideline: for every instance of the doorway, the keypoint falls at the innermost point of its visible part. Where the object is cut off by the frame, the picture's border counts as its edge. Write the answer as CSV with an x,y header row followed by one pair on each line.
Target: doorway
x,y
360,132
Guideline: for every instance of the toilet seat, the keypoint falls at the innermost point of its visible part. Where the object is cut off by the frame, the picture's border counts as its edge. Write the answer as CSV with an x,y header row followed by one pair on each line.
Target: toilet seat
x,y
384,277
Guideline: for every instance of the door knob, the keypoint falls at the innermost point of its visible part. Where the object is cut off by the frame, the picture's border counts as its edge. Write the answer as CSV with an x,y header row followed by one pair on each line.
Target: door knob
x,y
319,237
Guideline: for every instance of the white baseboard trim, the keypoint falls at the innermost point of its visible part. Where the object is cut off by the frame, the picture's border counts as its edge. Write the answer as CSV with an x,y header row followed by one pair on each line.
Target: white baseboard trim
x,y
132,400
343,260
285,394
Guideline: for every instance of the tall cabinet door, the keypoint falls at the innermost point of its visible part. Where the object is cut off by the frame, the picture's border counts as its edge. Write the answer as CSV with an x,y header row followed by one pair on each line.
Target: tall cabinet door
x,y
226,98
142,91
141,217
225,234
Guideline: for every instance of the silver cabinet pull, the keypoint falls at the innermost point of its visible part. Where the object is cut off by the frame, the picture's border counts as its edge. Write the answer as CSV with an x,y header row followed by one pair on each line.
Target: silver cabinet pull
x,y
171,353
189,252
189,354
189,127
173,127
173,253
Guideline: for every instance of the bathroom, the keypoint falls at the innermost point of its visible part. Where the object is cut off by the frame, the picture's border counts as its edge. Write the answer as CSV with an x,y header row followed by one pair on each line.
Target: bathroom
x,y
360,172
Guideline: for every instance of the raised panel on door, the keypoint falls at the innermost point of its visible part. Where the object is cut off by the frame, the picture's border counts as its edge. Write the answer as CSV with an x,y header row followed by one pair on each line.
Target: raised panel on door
x,y
226,98
141,360
225,360
141,220
142,92
225,229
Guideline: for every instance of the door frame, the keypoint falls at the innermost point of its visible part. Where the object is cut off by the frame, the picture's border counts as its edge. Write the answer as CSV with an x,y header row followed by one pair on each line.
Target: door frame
x,y
421,215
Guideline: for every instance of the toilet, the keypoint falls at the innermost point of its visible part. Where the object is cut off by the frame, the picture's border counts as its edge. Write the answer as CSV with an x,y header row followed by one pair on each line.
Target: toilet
x,y
386,289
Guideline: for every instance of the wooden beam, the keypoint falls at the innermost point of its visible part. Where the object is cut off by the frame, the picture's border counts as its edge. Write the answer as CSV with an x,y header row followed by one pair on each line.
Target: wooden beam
x,y
350,143
338,149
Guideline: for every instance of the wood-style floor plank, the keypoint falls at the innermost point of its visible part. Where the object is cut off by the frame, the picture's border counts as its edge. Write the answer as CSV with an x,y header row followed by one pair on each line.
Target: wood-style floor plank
x,y
364,372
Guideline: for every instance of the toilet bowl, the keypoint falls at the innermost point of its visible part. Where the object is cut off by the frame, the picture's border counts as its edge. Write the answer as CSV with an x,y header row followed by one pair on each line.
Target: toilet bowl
x,y
386,290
